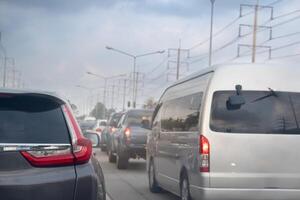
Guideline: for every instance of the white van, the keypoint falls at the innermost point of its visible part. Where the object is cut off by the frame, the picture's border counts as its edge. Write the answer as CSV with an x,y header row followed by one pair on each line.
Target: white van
x,y
228,133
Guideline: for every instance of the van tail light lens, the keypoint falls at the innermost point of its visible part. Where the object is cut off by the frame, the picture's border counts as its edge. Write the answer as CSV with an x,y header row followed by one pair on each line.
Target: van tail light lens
x,y
80,152
127,134
98,130
204,151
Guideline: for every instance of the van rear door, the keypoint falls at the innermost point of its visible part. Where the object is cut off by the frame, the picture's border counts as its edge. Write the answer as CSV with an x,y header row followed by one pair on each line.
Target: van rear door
x,y
255,146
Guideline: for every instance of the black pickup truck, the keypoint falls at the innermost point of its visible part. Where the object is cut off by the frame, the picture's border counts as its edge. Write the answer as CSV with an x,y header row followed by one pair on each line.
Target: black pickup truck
x,y
129,140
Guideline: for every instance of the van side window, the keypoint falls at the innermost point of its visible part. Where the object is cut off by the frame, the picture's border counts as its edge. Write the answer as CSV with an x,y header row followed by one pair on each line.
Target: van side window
x,y
181,114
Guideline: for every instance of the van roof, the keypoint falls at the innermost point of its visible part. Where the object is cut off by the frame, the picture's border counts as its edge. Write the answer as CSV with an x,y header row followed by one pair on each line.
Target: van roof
x,y
243,72
222,66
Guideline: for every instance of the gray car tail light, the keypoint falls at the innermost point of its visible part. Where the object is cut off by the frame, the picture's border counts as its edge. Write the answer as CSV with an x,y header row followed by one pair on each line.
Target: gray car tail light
x,y
79,153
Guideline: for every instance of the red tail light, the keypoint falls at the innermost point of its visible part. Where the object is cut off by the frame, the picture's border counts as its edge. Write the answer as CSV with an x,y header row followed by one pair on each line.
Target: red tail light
x,y
81,152
204,150
127,134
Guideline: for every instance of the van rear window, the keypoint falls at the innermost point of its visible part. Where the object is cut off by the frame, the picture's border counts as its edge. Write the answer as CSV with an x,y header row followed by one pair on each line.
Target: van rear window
x,y
264,112
32,119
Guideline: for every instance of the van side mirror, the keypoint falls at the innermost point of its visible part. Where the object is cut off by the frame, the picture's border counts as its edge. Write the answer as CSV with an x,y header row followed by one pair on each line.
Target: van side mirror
x,y
236,101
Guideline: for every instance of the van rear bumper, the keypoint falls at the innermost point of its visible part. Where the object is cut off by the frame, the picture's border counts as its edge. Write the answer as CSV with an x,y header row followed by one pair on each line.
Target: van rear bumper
x,y
243,194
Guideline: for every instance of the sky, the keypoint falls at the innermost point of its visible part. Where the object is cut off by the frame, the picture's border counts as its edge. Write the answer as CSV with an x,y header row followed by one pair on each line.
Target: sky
x,y
54,43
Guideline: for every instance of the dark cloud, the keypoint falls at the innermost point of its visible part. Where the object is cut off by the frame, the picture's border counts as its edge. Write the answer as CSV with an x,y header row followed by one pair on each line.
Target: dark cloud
x,y
189,8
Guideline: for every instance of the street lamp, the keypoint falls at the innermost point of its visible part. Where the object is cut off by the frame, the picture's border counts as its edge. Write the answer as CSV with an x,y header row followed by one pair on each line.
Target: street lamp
x,y
105,82
88,103
211,31
134,79
6,59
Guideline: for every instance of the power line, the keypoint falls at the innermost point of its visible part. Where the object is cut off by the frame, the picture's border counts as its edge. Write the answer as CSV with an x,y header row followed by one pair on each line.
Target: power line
x,y
286,46
232,23
286,14
158,66
285,36
217,33
286,56
286,21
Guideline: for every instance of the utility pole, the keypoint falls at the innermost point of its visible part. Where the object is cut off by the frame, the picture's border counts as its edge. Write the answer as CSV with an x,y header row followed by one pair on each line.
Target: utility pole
x,y
255,29
104,95
255,32
5,69
124,94
4,72
179,54
134,83
136,88
178,60
211,31
113,96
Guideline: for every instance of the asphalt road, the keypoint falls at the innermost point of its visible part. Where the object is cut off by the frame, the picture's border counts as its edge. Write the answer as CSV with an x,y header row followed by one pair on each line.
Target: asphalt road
x,y
129,184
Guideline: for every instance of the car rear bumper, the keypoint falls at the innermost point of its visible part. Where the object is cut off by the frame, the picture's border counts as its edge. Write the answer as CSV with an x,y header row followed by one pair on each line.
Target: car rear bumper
x,y
243,194
137,150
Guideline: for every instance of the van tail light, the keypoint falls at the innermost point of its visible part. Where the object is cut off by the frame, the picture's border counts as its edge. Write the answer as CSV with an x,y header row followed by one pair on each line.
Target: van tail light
x,y
80,152
127,134
98,130
204,151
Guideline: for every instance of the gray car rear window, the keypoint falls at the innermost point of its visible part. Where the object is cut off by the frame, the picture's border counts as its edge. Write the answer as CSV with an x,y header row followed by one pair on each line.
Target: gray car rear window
x,y
141,118
29,119
262,113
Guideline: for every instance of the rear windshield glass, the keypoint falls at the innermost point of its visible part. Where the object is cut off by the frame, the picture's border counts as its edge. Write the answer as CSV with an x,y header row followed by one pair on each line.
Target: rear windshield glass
x,y
115,119
263,112
102,123
139,118
28,119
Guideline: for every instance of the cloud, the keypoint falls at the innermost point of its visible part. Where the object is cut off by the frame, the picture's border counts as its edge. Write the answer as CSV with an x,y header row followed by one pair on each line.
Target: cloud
x,y
55,42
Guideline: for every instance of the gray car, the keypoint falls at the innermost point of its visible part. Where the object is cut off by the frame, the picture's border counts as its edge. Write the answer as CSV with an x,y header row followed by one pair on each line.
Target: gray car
x,y
129,140
43,154
228,133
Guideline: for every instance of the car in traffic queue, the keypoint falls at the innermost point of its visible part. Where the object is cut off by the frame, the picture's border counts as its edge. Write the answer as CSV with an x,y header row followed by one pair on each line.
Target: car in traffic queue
x,y
100,125
43,153
87,124
229,132
129,140
111,127
99,128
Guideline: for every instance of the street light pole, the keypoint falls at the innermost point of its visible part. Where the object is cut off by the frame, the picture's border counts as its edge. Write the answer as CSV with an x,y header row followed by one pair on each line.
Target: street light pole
x,y
105,85
124,94
211,31
104,96
255,32
134,82
5,68
4,72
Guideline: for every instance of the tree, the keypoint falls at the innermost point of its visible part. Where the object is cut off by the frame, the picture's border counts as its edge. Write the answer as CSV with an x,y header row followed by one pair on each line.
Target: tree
x,y
99,111
150,103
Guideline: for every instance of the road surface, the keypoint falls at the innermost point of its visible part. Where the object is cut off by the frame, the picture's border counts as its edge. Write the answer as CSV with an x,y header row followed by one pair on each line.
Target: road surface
x,y
129,184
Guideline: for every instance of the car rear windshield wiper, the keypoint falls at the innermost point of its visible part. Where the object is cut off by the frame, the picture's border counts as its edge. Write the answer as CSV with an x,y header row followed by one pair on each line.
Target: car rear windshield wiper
x,y
272,93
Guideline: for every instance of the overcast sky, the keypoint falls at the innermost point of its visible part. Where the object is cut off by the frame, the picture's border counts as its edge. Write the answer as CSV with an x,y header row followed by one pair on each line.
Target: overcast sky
x,y
55,42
